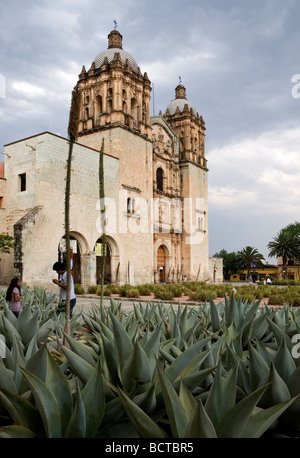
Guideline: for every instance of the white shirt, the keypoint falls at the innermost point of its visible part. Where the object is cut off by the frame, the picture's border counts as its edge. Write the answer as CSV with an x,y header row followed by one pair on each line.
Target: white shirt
x,y
63,292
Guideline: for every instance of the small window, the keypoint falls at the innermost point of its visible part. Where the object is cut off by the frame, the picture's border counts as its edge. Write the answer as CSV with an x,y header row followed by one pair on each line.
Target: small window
x,y
129,205
22,182
1,202
160,179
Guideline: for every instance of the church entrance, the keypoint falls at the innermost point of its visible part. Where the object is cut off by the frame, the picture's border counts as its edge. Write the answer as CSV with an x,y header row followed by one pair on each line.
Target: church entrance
x,y
75,257
161,263
99,262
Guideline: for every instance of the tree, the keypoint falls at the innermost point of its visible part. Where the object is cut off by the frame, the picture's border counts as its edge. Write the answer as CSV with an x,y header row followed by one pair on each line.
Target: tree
x,y
249,258
72,131
230,263
102,217
286,244
6,243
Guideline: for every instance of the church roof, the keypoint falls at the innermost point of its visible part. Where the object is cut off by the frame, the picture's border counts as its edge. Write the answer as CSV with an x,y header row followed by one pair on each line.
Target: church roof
x,y
115,46
180,104
109,53
180,101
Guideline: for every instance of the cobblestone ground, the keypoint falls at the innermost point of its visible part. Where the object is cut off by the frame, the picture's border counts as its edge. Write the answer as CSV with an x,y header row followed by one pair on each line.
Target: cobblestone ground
x,y
86,303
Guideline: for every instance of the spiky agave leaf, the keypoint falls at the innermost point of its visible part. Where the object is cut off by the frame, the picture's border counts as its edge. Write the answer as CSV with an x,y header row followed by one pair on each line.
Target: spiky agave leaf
x,y
200,425
145,426
77,424
176,414
47,405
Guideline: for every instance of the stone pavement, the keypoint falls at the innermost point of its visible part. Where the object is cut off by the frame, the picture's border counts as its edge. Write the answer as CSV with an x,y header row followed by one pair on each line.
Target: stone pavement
x,y
86,302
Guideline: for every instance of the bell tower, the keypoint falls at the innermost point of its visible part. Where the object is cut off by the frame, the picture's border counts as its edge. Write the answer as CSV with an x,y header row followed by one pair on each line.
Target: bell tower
x,y
113,93
189,127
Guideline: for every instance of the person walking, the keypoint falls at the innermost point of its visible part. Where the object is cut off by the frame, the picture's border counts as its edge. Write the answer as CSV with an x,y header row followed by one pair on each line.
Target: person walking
x,y
61,270
14,296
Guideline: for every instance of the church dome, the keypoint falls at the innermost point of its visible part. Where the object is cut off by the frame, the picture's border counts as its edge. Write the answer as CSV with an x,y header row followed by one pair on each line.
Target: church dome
x,y
180,101
115,45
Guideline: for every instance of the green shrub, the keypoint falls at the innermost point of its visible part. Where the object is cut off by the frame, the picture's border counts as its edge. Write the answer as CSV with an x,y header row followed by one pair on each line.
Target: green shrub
x,y
132,292
145,290
93,289
79,289
163,293
176,290
123,290
286,282
106,291
114,289
276,299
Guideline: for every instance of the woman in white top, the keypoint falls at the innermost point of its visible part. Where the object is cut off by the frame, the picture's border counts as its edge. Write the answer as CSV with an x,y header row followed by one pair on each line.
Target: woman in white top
x,y
14,296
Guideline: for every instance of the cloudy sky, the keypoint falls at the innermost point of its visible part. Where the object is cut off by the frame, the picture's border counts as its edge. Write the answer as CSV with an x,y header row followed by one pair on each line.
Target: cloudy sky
x,y
238,59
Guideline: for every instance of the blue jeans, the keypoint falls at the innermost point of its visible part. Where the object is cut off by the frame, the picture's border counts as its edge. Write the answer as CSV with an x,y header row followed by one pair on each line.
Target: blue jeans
x,y
62,308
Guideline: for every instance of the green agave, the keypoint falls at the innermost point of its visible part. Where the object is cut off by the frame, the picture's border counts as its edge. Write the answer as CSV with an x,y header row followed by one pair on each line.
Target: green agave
x,y
215,371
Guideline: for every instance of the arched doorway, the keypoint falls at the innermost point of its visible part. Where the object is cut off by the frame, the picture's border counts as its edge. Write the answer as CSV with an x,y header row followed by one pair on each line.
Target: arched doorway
x,y
75,257
161,263
99,262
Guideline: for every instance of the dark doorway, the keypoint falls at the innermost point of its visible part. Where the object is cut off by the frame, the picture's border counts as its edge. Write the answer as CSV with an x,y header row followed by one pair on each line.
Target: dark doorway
x,y
161,263
99,263
75,257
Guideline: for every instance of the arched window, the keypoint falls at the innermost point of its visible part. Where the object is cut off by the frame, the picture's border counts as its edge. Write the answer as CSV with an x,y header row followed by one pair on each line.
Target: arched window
x,y
134,107
99,109
160,179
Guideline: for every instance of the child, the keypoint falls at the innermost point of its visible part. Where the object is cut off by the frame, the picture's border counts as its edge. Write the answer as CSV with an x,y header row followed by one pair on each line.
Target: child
x,y
61,269
13,296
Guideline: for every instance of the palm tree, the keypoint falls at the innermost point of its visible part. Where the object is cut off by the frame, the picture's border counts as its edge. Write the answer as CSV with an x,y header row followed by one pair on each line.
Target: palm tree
x,y
285,244
249,258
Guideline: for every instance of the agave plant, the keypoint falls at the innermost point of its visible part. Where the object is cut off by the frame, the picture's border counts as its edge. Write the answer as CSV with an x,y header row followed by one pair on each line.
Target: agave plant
x,y
52,409
223,370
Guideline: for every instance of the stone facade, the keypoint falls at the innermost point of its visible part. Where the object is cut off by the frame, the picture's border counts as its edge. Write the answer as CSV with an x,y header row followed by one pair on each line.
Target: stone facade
x,y
155,186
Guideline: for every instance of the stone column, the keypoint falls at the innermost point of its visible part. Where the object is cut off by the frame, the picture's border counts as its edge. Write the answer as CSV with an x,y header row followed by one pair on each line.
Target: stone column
x,y
88,269
115,269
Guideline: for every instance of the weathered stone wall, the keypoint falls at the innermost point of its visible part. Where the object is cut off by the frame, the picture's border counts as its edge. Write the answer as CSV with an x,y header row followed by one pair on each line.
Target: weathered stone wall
x,y
216,269
195,246
45,172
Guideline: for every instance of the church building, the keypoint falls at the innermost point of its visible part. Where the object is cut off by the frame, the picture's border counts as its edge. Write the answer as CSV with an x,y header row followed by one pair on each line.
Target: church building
x,y
155,179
